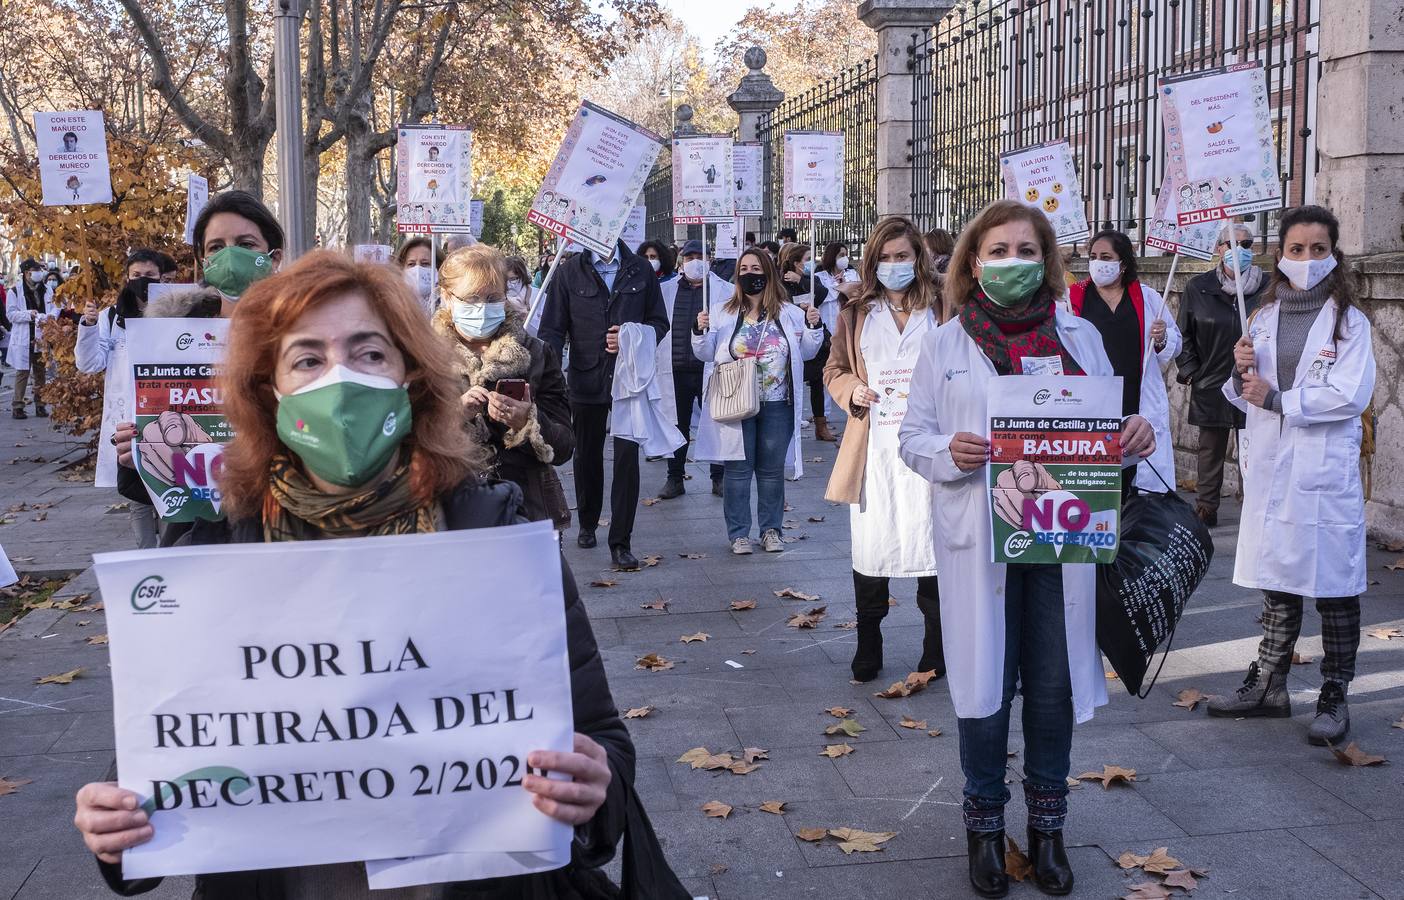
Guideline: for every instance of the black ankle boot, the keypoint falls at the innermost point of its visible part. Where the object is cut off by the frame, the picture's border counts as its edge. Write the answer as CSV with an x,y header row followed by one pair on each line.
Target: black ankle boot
x,y
933,654
867,659
1052,871
986,851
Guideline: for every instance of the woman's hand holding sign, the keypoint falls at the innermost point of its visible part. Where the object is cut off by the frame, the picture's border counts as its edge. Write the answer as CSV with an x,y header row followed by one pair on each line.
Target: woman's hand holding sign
x,y
969,451
111,820
573,802
1137,437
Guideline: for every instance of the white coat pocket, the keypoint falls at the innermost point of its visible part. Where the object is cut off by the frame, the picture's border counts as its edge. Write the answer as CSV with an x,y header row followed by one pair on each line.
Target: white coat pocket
x,y
956,514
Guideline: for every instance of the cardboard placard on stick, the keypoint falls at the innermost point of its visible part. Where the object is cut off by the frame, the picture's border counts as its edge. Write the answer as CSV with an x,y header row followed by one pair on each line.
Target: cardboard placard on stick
x,y
433,189
73,165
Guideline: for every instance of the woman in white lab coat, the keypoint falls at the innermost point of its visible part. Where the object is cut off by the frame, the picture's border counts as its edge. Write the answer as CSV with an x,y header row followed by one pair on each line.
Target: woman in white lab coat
x,y
1030,627
27,305
869,373
756,320
1305,373
1140,337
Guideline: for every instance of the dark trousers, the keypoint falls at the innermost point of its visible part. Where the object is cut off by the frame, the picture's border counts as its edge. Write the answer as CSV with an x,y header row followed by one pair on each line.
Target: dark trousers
x,y
687,390
1035,664
871,593
1340,634
35,372
591,429
1209,483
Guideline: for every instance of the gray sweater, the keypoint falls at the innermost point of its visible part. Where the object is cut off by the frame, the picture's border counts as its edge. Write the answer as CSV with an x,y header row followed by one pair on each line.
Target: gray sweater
x,y
1297,313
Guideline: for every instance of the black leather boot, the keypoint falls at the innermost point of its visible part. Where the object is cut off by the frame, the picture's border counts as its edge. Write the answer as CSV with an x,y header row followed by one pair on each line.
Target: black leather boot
x,y
986,851
933,653
867,659
1052,871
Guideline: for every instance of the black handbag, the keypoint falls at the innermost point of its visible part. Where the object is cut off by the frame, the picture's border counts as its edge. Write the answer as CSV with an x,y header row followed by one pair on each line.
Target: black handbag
x,y
1165,552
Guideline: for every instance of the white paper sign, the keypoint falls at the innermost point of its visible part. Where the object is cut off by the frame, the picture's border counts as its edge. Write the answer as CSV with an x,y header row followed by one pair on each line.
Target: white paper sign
x,y
748,171
73,165
729,239
595,179
634,231
372,253
813,175
288,705
1045,177
8,575
197,194
703,188
433,186
475,218
1198,240
1219,142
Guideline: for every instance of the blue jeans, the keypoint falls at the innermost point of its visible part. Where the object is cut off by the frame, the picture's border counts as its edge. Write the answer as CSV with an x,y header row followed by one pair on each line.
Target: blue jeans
x,y
1035,662
766,438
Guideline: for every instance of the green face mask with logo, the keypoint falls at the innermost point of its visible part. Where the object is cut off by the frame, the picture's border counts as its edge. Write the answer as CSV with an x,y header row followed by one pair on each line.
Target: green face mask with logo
x,y
1009,282
231,270
345,426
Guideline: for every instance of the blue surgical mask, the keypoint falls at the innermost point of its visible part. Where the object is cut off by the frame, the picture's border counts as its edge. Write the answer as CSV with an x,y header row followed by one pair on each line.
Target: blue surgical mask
x,y
809,267
895,276
478,320
1245,258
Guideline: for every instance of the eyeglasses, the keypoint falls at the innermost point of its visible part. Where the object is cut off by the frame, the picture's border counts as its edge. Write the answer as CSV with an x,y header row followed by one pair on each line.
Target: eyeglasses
x,y
1246,243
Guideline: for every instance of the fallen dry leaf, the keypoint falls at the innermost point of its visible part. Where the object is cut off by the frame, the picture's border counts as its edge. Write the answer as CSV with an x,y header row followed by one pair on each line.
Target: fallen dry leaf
x,y
1299,660
1109,775
777,807
809,618
1385,634
716,809
846,626
11,785
694,638
839,712
693,555
98,639
64,678
1016,864
935,732
96,607
1181,878
909,722
83,622
653,662
1147,890
1352,755
742,768
1158,863
1112,676
812,834
1400,723
793,594
1393,567
1189,698
603,583
748,652
649,501
852,840
695,755
118,507
849,727
834,751
739,605
638,712
1386,546
816,519
651,561
751,754
913,683
656,604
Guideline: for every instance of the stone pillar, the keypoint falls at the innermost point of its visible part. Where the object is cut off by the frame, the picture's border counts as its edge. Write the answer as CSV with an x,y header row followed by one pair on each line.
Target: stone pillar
x,y
1360,123
896,23
755,97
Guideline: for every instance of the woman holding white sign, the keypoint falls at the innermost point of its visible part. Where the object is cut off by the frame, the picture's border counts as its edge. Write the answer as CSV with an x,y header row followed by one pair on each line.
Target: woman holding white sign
x,y
1030,628
349,424
1304,373
869,375
1140,338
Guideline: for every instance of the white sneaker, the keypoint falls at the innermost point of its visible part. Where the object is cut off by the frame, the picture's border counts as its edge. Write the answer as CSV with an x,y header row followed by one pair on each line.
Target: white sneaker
x,y
742,546
771,543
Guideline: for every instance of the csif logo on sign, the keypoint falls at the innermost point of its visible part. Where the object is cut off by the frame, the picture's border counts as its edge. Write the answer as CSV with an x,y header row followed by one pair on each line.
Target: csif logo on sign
x,y
152,596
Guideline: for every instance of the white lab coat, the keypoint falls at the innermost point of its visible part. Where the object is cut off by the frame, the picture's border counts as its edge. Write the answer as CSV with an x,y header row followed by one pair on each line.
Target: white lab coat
x,y
1155,400
721,441
103,348
637,411
20,318
1303,522
829,309
717,289
948,396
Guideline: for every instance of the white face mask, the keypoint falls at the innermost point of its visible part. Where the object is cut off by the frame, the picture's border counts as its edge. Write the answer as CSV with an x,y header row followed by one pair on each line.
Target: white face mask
x,y
694,269
1104,272
657,264
36,276
1305,274
421,280
841,263
514,286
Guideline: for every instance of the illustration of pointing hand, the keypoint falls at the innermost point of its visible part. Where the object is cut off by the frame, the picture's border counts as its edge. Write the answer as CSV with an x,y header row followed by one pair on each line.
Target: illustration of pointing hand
x,y
1022,481
169,433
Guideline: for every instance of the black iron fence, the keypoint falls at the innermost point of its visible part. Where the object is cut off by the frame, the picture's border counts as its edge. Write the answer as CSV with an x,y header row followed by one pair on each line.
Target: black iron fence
x,y
658,200
998,75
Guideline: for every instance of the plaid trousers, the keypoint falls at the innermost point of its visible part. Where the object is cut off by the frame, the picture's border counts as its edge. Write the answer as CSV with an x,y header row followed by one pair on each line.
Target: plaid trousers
x,y
1340,634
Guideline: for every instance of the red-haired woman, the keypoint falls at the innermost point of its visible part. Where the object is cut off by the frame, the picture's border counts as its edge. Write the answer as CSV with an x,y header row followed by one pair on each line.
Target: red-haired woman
x,y
325,338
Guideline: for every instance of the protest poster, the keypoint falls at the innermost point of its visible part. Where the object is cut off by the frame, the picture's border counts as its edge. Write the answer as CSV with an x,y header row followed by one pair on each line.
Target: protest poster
x,y
72,149
1054,474
181,431
1219,142
272,709
372,253
634,227
704,191
8,575
433,188
197,194
1045,177
729,236
748,170
595,179
475,218
1198,240
813,175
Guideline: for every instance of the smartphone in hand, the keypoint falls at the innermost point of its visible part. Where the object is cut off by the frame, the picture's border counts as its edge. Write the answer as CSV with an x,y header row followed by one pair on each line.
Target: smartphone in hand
x,y
516,388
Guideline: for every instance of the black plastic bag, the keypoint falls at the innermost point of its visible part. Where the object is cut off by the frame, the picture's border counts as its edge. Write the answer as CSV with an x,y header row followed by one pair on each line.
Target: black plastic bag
x,y
1164,553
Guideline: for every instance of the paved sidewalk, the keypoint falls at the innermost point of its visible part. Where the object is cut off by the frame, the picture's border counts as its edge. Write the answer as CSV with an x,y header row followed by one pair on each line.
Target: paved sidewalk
x,y
1269,816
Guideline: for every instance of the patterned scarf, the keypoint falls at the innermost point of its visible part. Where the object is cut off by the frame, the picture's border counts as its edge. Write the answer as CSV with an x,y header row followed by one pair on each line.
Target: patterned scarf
x,y
1008,335
295,510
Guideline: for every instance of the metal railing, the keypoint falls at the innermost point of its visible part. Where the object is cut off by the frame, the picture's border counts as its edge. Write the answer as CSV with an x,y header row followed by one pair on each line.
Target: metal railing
x,y
658,201
998,75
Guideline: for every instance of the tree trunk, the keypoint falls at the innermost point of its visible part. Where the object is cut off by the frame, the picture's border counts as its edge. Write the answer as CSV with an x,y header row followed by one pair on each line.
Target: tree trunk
x,y
360,170
246,161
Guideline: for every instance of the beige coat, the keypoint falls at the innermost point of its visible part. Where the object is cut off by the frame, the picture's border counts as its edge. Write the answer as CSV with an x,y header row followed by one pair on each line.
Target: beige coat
x,y
844,373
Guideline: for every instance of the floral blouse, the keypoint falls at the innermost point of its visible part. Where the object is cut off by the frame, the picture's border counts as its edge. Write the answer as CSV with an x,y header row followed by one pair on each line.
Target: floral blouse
x,y
765,341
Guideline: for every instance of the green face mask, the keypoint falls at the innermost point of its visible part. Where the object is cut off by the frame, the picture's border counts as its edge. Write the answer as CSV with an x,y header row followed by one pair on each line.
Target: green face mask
x,y
231,270
345,426
1009,282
